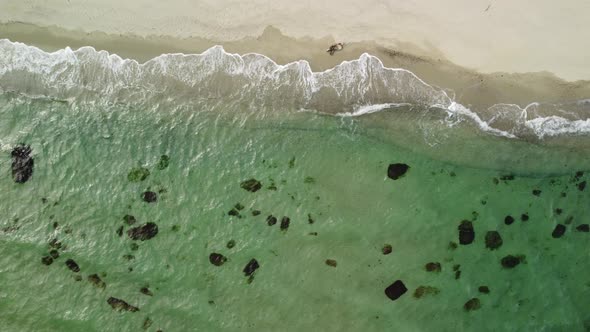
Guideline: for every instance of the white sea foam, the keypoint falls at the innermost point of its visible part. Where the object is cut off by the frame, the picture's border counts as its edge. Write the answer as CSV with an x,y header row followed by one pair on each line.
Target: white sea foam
x,y
351,89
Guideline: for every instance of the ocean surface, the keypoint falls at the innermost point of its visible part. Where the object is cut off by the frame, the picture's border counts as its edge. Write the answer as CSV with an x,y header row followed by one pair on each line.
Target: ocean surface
x,y
219,192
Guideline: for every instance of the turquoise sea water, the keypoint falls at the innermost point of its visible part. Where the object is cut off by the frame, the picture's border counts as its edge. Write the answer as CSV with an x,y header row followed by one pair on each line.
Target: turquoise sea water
x,y
327,174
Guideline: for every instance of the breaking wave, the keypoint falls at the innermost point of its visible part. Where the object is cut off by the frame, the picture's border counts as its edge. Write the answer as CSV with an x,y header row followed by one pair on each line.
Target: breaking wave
x,y
353,88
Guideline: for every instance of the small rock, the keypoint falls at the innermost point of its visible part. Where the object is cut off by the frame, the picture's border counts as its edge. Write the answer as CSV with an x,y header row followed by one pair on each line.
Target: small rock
x,y
55,244
583,228
238,207
537,192
395,290
387,249
493,240
144,232
568,220
54,254
47,260
120,231
164,162
473,304
128,257
396,171
146,291
149,197
251,185
96,281
484,289
147,323
271,220
233,213
558,231
285,221
78,278
22,163
558,211
129,219
466,232
251,267
138,174
255,213
217,259
425,290
524,217
310,219
433,267
582,185
452,245
120,305
508,220
509,177
313,233
510,261
230,244
134,246
331,262
72,265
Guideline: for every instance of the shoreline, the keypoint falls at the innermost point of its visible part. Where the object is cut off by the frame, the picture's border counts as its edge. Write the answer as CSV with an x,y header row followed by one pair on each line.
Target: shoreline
x,y
471,88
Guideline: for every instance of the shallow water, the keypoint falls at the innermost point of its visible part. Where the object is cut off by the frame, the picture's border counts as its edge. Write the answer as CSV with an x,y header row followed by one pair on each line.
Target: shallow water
x,y
330,169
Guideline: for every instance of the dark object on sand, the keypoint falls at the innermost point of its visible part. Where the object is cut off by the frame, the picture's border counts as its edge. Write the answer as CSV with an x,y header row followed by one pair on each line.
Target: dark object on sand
x,y
433,267
285,221
510,261
149,197
396,171
120,305
331,262
558,231
395,290
387,249
493,240
217,259
144,232
472,304
335,48
583,228
22,163
72,265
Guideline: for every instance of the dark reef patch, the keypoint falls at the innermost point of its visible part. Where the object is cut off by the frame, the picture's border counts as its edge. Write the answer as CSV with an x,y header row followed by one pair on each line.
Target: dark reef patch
x,y
466,232
472,304
493,240
433,267
72,265
285,222
144,232
558,231
217,259
121,305
387,249
331,262
251,185
251,267
583,228
395,290
22,163
396,171
149,197
138,174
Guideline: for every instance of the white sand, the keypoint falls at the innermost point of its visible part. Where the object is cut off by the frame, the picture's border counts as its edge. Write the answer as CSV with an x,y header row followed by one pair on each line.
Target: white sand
x,y
511,36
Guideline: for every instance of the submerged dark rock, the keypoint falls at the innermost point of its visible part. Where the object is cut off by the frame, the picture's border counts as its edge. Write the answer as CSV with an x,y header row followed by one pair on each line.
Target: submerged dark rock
x,y
96,281
331,262
582,185
508,220
537,192
22,163
387,249
217,259
230,244
251,185
433,267
466,232
47,260
558,231
510,261
144,232
121,305
255,213
484,289
146,291
271,220
54,254
508,177
471,305
251,267
395,290
583,228
493,240
149,197
72,265
558,211
285,221
396,171
524,217
120,231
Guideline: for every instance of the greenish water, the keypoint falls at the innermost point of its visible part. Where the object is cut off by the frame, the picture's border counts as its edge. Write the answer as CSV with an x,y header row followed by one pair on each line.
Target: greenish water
x,y
332,169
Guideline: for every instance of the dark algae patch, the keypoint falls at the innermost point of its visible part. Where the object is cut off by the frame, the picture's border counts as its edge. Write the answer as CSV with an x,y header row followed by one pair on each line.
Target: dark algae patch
x,y
509,220
22,163
251,185
96,281
484,289
251,267
396,171
285,222
129,219
524,217
144,232
395,290
466,232
433,267
138,174
121,305
422,291
583,228
146,291
510,261
387,249
582,186
331,262
47,260
536,192
271,220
